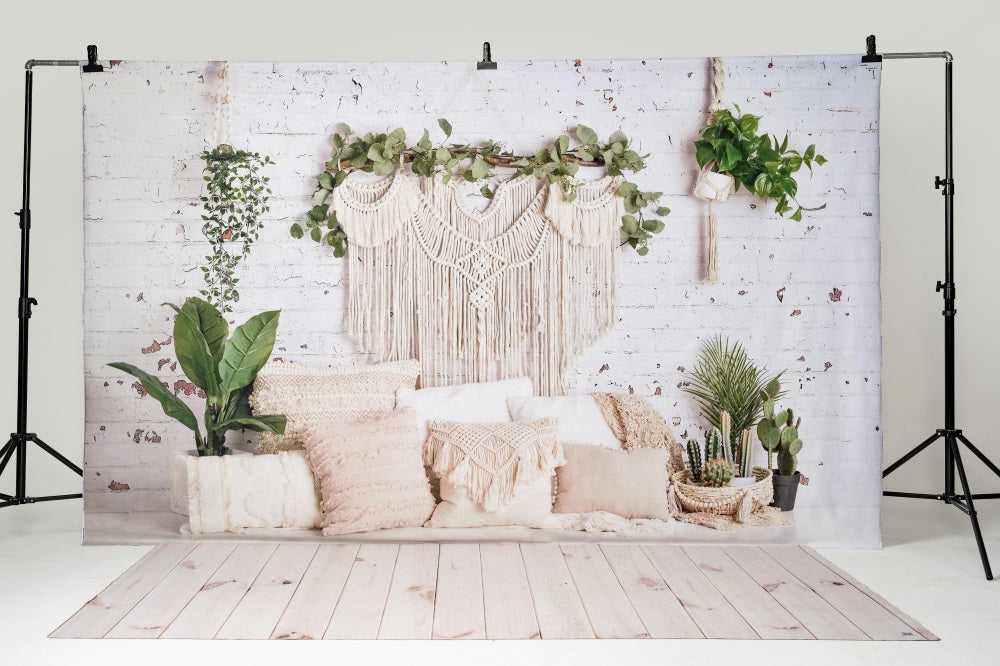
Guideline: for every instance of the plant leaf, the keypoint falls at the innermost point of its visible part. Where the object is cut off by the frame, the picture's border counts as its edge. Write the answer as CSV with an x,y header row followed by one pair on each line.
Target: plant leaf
x,y
248,350
445,127
586,135
173,406
264,423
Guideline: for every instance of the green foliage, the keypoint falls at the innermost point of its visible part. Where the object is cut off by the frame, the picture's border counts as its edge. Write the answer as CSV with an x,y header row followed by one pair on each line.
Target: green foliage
x,y
694,459
558,163
725,379
223,367
236,198
760,162
717,473
779,432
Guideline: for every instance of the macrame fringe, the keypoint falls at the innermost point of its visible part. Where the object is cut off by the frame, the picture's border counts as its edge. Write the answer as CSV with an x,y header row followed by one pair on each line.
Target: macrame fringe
x,y
486,487
712,260
746,508
479,296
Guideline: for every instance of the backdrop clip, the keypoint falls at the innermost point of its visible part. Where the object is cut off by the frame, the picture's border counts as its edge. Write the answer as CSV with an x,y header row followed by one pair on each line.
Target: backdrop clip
x,y
487,61
871,55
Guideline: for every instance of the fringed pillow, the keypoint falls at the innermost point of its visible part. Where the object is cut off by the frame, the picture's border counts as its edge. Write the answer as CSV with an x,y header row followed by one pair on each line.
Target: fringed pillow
x,y
370,475
310,395
493,473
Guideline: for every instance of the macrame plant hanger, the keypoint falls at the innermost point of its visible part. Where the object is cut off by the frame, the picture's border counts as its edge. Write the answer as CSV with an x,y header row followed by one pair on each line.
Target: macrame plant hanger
x,y
224,97
707,189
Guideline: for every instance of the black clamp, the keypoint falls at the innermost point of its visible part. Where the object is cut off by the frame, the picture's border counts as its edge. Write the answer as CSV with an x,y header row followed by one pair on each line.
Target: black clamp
x,y
25,216
871,55
487,61
947,183
24,304
949,297
92,64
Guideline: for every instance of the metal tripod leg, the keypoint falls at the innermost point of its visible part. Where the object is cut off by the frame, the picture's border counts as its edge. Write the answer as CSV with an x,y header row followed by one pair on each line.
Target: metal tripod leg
x,y
979,454
6,452
967,505
902,461
55,454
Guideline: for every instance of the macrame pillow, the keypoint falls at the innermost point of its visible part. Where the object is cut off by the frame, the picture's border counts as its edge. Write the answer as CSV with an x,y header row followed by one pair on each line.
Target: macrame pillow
x,y
493,473
310,395
370,474
580,418
631,484
481,402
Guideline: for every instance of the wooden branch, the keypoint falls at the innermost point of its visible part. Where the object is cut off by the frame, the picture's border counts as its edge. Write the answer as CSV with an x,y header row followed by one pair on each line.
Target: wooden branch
x,y
495,160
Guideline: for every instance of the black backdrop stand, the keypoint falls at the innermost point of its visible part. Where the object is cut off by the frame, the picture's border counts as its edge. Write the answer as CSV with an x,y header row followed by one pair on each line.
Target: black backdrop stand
x,y
949,433
16,447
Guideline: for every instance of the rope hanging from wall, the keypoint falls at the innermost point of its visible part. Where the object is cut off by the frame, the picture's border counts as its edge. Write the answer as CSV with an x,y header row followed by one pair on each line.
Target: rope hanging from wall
x,y
706,189
223,98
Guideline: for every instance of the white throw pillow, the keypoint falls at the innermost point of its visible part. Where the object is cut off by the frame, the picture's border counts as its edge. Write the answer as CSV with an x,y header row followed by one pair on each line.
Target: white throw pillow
x,y
484,402
580,419
531,507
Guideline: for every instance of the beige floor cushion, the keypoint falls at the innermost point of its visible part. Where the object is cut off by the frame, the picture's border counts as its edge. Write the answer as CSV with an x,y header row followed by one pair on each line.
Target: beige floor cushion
x,y
631,484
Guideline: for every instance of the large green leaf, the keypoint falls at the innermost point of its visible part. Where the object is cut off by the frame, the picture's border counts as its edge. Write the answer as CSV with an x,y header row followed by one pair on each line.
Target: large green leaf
x,y
193,353
211,322
248,350
266,423
172,405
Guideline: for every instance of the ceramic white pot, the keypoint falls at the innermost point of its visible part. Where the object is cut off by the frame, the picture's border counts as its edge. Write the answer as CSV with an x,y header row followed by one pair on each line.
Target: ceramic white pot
x,y
713,186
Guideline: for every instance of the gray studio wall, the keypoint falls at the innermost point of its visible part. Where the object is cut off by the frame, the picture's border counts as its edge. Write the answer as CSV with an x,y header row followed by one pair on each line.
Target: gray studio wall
x,y
911,156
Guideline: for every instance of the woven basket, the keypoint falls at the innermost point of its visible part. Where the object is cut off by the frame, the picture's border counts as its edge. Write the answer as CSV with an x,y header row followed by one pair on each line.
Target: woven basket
x,y
722,501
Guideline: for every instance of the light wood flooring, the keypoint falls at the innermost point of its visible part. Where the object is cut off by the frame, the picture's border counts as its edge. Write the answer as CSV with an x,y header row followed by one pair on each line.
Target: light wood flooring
x,y
487,591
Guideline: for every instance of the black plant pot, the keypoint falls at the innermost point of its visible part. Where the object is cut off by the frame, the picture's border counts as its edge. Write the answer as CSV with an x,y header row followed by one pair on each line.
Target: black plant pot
x,y
785,488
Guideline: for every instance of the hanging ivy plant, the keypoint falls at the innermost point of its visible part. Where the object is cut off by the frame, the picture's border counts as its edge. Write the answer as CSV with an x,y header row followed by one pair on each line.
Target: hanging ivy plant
x,y
558,163
730,144
236,198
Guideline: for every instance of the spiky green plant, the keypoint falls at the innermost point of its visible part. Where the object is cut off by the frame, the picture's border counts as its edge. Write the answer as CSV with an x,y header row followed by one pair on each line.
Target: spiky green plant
x,y
717,473
694,459
725,379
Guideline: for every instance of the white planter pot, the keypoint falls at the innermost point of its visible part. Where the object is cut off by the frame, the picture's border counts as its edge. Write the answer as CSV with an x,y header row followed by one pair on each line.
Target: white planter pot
x,y
179,478
234,493
713,186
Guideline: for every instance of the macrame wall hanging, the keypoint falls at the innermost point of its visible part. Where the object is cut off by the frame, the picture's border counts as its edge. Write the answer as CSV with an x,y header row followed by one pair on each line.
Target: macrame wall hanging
x,y
711,186
518,289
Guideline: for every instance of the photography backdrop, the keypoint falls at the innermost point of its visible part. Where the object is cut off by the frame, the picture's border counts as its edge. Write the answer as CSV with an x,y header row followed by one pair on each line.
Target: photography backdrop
x,y
800,295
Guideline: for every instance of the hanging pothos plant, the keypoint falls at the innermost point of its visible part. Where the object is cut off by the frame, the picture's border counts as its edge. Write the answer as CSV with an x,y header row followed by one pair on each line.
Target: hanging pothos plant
x,y
730,145
558,163
237,197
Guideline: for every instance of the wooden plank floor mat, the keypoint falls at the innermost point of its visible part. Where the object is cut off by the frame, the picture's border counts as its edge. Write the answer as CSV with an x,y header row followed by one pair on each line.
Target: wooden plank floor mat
x,y
492,591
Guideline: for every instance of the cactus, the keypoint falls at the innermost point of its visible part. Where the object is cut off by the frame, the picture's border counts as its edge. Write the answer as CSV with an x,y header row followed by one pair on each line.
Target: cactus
x,y
745,456
717,473
712,444
779,432
725,436
694,458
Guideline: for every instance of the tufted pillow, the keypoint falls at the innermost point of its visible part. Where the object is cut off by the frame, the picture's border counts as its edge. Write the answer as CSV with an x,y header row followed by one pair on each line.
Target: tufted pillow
x,y
370,474
493,473
310,395
631,483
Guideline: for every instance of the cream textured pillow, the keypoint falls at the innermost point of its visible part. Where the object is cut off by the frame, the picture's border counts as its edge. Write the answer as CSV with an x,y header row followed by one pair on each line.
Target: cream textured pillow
x,y
485,468
483,402
580,419
531,507
370,474
310,395
632,484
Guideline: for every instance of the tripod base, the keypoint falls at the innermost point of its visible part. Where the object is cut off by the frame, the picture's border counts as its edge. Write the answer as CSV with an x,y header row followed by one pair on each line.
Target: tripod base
x,y
17,448
953,462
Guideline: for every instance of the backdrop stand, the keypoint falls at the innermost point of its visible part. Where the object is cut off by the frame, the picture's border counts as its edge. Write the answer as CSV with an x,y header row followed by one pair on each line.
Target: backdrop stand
x,y
951,434
17,446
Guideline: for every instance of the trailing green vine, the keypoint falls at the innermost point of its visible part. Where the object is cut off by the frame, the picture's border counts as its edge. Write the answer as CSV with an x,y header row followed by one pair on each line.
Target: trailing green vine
x,y
558,163
730,144
237,197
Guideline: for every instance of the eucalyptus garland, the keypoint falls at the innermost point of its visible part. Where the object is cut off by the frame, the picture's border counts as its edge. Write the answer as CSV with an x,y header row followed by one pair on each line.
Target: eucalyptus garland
x,y
237,197
558,163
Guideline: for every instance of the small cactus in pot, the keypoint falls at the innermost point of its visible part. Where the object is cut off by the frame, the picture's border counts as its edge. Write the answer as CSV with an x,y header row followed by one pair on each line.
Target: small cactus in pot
x,y
779,433
717,473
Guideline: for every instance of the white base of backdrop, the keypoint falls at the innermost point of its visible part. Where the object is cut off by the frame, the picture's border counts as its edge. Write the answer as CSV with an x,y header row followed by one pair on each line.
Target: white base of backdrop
x,y
800,295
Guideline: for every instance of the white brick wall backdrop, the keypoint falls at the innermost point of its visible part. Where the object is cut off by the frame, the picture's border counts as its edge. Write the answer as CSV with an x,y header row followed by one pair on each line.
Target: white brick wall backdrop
x,y
802,296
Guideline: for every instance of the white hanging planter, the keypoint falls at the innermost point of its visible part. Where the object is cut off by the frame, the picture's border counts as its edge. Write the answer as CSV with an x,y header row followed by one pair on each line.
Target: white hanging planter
x,y
713,186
